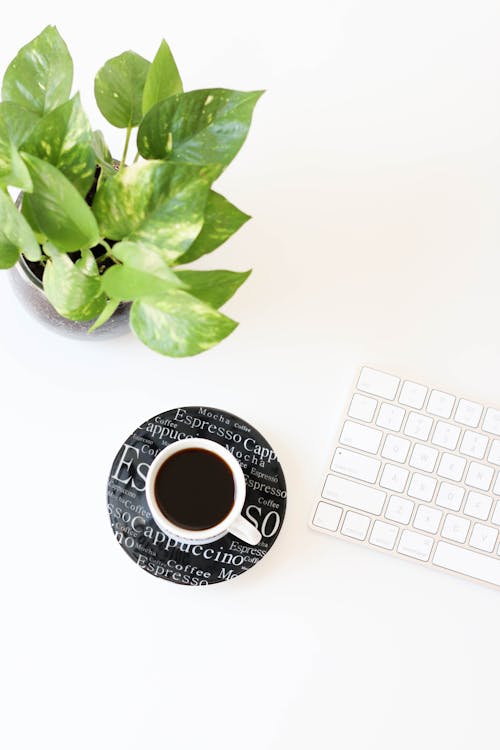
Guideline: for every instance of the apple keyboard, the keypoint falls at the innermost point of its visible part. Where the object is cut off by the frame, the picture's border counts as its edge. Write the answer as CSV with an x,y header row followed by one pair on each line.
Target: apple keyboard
x,y
415,473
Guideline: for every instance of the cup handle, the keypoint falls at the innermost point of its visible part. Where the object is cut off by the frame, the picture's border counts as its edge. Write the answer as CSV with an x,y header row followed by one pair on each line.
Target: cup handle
x,y
245,531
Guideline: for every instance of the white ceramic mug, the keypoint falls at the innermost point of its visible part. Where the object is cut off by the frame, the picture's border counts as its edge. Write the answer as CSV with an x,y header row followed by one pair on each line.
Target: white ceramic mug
x,y
233,523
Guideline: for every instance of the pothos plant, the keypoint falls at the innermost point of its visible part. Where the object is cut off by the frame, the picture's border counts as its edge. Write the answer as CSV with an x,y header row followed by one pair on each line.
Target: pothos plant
x,y
104,232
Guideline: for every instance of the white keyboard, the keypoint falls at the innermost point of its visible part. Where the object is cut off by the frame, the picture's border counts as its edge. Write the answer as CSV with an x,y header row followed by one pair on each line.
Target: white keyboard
x,y
415,472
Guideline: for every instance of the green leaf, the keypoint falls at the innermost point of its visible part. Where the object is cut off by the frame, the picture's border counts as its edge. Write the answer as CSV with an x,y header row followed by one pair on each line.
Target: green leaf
x,y
57,208
157,204
127,283
177,324
40,76
74,294
102,153
222,220
119,87
163,78
15,235
213,287
19,121
207,126
63,138
12,168
142,258
107,311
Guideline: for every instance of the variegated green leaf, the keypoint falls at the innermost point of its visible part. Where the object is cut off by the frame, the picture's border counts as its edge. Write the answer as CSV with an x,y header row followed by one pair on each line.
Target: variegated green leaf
x,y
213,287
75,293
16,235
163,78
119,87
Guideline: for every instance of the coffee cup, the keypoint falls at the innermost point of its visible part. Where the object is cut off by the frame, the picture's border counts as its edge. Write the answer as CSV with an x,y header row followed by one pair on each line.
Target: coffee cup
x,y
195,489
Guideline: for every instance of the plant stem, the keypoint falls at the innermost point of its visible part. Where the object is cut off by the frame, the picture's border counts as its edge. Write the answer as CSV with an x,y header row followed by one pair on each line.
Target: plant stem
x,y
136,157
125,150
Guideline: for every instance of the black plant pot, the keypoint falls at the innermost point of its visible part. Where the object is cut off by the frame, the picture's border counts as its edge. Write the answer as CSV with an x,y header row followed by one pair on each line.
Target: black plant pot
x,y
29,290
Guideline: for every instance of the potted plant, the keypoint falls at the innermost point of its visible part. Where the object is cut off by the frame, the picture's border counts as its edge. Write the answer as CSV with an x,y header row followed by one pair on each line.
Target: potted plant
x,y
104,238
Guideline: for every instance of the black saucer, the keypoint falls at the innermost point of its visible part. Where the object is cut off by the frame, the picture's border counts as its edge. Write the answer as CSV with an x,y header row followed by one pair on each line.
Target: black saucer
x,y
195,564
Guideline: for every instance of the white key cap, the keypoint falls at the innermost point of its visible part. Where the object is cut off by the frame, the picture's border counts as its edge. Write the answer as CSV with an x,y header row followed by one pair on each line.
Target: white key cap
x,y
390,417
423,457
418,426
473,444
450,496
395,448
415,545
440,404
327,516
478,505
353,494
355,525
469,563
494,454
492,421
483,537
496,514
422,487
355,465
384,535
399,509
361,437
412,394
468,413
427,519
362,407
479,476
451,467
455,528
378,383
394,478
496,486
446,435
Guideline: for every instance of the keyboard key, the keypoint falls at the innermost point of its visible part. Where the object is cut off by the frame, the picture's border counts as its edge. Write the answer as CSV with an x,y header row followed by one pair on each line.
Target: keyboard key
x,y
422,487
446,435
384,535
415,545
327,516
441,404
399,509
494,454
483,537
478,506
418,426
473,444
378,383
479,476
496,514
395,448
496,486
423,457
353,494
412,394
355,465
394,478
355,525
467,562
450,496
362,407
451,467
361,437
492,421
427,519
455,528
468,413
390,417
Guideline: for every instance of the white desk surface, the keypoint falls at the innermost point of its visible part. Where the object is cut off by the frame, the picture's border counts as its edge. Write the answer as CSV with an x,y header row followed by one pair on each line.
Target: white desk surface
x,y
373,175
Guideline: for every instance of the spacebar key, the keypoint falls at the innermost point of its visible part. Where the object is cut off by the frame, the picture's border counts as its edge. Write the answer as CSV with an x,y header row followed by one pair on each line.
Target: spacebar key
x,y
467,562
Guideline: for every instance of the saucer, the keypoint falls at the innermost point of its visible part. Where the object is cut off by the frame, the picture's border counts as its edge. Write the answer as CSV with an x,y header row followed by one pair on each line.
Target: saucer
x,y
181,562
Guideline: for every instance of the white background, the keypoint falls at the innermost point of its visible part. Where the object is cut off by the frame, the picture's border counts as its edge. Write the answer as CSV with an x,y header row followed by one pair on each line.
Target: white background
x,y
373,174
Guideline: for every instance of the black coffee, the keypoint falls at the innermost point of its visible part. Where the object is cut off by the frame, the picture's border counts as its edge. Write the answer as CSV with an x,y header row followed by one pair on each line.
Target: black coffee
x,y
194,489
